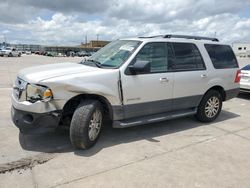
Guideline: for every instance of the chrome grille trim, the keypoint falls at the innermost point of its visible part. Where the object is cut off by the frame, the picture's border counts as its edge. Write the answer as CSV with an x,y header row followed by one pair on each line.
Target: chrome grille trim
x,y
19,89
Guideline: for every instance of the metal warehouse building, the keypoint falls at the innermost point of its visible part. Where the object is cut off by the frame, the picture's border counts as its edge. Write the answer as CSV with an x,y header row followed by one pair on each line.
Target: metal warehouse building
x,y
242,50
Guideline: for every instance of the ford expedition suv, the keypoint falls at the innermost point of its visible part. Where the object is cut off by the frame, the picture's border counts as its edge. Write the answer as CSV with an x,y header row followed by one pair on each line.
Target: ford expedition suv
x,y
132,82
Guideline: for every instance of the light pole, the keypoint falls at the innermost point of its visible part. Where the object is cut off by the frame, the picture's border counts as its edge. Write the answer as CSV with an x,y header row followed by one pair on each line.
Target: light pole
x,y
86,41
97,38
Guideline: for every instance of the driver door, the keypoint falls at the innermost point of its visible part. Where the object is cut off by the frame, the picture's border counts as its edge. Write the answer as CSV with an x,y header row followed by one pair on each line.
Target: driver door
x,y
148,93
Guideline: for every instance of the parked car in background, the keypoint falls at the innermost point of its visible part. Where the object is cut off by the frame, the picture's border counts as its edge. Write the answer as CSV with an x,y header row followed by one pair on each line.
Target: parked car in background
x,y
10,52
70,54
28,52
43,53
83,54
52,54
245,79
92,53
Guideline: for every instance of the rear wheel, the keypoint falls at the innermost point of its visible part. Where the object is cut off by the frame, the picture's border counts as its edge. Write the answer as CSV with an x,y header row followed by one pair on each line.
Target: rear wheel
x,y
86,124
210,106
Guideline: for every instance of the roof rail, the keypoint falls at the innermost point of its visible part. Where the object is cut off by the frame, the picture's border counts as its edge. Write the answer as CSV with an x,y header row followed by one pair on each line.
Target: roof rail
x,y
152,36
191,37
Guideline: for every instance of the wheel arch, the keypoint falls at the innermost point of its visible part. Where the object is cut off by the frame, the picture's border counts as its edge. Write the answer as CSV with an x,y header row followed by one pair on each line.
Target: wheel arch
x,y
220,89
72,104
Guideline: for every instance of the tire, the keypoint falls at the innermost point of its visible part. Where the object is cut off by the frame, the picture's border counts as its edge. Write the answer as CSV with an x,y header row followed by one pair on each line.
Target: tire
x,y
10,55
80,130
210,106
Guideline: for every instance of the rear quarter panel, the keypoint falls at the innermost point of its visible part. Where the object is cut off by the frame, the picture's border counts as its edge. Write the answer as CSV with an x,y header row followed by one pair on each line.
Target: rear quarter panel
x,y
219,77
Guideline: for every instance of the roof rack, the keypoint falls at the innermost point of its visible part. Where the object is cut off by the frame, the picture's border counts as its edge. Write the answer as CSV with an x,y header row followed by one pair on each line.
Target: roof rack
x,y
184,36
152,36
191,37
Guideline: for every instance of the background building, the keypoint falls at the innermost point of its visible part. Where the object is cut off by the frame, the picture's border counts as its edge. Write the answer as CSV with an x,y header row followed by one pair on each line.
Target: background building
x,y
27,47
242,50
23,47
96,44
92,46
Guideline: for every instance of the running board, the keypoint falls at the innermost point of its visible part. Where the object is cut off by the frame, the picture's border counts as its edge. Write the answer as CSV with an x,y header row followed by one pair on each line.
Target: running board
x,y
153,118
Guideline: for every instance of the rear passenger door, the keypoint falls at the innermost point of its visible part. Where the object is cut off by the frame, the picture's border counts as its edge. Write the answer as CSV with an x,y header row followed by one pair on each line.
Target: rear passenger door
x,y
190,77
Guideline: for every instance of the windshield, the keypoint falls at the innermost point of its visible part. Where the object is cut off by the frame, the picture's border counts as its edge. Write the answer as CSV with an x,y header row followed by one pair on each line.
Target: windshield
x,y
115,53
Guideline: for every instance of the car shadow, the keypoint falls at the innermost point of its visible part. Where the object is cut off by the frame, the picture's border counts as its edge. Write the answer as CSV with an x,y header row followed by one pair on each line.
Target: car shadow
x,y
244,95
59,142
52,142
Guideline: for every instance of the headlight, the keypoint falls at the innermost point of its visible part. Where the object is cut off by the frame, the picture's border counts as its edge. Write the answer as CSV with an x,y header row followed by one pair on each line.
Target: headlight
x,y
38,93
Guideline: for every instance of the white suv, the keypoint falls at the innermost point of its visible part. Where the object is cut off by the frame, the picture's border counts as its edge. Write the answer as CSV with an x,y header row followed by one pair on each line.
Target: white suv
x,y
131,81
10,52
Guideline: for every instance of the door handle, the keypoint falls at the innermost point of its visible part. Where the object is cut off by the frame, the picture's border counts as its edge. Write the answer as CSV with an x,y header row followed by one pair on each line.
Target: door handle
x,y
164,80
203,75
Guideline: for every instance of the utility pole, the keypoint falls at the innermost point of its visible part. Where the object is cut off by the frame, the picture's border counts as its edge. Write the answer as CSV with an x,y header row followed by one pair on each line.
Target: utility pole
x,y
86,41
97,38
4,36
4,40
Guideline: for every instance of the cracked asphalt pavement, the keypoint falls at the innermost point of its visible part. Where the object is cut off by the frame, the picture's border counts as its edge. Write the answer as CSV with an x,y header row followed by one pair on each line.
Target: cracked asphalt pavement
x,y
175,153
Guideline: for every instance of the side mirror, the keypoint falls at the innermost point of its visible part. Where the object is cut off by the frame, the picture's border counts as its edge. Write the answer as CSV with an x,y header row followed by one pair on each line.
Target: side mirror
x,y
139,67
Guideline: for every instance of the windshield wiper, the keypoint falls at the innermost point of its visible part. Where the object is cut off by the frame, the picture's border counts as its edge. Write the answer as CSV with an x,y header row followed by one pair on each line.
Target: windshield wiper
x,y
97,63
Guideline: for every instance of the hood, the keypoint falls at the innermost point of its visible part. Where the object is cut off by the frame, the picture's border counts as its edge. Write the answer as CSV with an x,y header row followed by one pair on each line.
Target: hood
x,y
43,72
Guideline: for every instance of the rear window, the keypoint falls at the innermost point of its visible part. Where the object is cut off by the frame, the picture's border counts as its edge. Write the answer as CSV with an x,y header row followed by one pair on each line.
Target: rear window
x,y
246,67
222,56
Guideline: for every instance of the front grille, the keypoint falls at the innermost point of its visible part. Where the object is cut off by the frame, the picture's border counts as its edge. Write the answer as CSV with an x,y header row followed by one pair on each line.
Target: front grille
x,y
19,89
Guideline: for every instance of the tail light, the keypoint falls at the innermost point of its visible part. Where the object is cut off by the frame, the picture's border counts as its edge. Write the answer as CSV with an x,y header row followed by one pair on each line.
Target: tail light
x,y
238,76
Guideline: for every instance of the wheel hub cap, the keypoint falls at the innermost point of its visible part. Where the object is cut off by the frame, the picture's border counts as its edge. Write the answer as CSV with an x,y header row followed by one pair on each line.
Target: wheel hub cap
x,y
212,107
95,125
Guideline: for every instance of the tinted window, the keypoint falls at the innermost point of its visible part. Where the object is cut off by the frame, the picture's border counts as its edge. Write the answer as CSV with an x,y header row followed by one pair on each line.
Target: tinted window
x,y
187,57
222,56
246,67
156,54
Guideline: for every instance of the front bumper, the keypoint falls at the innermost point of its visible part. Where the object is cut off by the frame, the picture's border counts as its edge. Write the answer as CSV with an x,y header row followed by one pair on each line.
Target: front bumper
x,y
29,122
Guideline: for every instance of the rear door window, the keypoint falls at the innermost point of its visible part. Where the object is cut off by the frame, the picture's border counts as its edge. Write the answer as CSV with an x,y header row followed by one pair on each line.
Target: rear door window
x,y
187,57
222,56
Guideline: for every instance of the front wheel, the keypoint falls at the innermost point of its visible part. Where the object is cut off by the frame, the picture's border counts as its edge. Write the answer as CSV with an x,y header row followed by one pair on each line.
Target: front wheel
x,y
210,106
86,124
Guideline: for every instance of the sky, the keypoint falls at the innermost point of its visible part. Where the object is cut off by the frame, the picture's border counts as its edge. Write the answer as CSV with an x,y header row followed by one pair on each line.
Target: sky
x,y
67,22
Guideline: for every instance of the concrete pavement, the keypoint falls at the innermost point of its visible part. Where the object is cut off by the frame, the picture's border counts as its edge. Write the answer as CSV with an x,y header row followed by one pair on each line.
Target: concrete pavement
x,y
176,153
